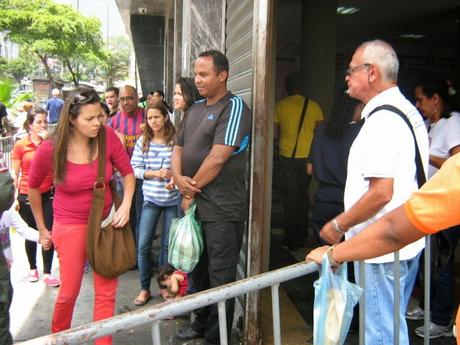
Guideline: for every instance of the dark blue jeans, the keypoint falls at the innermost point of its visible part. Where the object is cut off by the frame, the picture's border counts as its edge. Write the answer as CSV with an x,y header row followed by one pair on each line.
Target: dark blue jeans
x,y
149,219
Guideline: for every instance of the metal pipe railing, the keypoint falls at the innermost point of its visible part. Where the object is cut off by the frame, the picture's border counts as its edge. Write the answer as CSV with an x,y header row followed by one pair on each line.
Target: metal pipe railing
x,y
160,311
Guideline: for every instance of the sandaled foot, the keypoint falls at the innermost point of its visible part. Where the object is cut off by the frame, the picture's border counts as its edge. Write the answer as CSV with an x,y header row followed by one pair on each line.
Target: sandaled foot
x,y
142,299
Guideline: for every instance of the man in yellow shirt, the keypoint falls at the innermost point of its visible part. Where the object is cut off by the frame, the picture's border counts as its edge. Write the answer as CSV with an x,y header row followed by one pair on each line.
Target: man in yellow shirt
x,y
433,208
295,120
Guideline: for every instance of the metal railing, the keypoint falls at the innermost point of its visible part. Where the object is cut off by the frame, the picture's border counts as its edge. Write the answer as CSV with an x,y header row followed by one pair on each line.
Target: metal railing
x,y
155,314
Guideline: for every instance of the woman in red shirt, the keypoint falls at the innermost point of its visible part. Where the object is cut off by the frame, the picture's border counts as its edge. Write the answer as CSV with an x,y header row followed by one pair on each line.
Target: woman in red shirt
x,y
22,155
72,155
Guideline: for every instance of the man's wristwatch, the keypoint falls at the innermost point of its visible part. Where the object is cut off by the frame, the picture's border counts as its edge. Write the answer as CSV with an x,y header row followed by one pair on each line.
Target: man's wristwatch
x,y
330,257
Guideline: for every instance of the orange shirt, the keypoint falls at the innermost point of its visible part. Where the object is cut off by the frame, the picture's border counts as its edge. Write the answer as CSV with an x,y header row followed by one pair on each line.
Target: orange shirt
x,y
436,206
24,151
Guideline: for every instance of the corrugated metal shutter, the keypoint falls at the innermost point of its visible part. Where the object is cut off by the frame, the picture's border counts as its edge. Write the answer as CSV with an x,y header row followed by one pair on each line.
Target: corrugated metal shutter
x,y
238,48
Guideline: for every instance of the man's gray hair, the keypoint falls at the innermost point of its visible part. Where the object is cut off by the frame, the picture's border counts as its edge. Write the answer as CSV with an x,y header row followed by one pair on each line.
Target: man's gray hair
x,y
382,54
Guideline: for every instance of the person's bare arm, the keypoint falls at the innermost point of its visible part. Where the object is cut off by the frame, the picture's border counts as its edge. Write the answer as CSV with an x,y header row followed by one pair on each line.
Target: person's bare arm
x,y
212,164
186,185
35,200
16,166
122,214
377,196
437,161
454,150
389,234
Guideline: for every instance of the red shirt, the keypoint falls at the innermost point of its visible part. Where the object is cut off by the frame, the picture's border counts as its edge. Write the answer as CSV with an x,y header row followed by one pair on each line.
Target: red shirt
x,y
73,196
129,126
24,151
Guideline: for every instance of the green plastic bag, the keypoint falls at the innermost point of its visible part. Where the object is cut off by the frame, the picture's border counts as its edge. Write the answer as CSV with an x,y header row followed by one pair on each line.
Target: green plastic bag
x,y
185,241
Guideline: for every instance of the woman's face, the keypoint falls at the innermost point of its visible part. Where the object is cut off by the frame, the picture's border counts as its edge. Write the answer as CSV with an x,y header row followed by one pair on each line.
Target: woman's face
x,y
156,120
39,125
424,104
178,99
89,120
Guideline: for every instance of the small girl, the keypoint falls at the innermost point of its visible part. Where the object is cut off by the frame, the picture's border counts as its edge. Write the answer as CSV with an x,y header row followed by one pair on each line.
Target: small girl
x,y
173,283
152,162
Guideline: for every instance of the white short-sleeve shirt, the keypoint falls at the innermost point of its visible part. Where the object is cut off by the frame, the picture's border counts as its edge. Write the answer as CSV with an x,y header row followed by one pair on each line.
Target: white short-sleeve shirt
x,y
384,148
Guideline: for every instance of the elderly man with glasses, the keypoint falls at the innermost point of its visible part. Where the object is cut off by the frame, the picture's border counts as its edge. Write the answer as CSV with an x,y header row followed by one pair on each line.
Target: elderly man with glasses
x,y
382,174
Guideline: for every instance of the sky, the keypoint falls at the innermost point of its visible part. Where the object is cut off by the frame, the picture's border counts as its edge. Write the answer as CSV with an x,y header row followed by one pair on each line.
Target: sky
x,y
103,10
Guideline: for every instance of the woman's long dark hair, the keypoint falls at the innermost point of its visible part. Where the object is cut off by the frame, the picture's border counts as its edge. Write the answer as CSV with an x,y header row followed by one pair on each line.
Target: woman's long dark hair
x,y
190,94
70,111
341,115
169,130
431,85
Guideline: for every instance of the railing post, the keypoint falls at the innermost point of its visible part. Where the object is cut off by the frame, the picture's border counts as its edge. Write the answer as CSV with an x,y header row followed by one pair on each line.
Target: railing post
x,y
397,297
362,304
156,338
427,282
276,315
222,323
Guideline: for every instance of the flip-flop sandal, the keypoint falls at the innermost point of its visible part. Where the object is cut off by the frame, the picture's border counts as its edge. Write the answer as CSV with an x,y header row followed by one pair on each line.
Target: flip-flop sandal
x,y
140,302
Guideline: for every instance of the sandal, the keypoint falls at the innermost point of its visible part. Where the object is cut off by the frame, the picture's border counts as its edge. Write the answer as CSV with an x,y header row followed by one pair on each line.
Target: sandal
x,y
139,301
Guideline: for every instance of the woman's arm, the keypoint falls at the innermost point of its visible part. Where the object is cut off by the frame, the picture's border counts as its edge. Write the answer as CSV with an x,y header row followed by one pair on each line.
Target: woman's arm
x,y
35,200
122,214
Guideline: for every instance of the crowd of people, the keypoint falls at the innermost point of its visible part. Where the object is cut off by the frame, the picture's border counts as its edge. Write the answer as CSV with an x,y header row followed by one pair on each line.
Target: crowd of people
x,y
369,156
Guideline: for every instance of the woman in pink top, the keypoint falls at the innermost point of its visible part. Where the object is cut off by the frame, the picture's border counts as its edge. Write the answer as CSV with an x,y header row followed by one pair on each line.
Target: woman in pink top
x,y
22,155
72,154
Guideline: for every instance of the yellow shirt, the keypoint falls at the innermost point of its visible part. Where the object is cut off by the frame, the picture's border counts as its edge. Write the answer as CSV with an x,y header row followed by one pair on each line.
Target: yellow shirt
x,y
287,116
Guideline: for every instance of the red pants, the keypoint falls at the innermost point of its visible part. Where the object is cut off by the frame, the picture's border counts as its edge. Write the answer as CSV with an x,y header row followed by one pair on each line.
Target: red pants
x,y
70,243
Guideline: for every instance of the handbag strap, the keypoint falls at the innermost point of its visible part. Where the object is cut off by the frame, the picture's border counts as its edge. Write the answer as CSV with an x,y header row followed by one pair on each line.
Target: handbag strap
x,y
302,117
421,177
99,186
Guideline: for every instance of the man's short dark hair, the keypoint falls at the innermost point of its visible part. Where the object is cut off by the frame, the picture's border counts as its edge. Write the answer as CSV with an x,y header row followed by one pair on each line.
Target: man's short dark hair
x,y
293,82
114,89
219,59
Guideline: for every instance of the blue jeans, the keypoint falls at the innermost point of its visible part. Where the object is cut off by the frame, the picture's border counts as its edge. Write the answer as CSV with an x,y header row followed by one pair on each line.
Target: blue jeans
x,y
147,226
379,300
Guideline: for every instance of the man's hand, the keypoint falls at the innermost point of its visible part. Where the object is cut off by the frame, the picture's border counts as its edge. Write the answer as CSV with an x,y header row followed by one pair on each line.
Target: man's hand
x,y
329,234
316,255
186,202
186,186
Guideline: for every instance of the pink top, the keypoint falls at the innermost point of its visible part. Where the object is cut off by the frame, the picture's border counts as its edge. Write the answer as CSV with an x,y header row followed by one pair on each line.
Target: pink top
x,y
73,196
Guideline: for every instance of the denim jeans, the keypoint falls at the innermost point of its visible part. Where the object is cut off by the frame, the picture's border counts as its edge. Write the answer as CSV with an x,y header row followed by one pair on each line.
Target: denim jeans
x,y
147,227
379,300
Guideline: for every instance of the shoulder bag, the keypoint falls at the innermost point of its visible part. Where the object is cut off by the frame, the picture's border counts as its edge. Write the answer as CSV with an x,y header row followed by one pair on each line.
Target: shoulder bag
x,y
111,251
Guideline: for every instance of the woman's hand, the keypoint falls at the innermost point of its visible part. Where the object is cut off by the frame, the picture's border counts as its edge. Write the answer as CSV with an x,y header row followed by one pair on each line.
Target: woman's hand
x,y
164,173
121,216
45,239
171,185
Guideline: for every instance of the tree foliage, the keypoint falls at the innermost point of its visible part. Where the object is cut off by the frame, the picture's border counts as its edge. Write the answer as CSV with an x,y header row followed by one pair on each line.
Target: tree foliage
x,y
53,30
116,66
19,67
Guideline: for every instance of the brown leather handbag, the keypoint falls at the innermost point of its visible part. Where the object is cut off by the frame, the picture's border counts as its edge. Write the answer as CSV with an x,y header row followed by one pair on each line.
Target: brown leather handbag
x,y
110,251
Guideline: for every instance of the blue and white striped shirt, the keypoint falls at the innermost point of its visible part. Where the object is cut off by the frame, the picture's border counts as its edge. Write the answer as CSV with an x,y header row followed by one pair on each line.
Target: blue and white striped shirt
x,y
157,157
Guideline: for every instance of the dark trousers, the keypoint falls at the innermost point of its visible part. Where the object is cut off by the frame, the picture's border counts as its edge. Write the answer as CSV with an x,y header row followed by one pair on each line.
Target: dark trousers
x,y
217,266
321,213
6,296
294,183
136,209
443,286
31,247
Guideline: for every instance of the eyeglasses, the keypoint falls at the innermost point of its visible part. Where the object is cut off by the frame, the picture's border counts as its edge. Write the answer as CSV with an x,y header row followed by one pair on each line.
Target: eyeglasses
x,y
127,99
352,70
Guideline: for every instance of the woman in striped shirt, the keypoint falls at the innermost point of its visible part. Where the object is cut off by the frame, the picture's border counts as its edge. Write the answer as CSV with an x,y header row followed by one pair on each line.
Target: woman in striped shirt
x,y
152,162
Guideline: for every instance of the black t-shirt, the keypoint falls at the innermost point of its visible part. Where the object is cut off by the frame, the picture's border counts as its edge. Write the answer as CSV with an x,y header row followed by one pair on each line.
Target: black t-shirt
x,y
329,156
227,122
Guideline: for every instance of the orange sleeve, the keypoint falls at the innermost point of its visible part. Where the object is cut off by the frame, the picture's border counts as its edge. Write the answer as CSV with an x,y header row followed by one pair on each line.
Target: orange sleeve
x,y
436,206
18,148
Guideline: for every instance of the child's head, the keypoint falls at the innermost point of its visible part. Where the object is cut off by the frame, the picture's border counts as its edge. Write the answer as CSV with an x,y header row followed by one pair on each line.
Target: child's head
x,y
163,276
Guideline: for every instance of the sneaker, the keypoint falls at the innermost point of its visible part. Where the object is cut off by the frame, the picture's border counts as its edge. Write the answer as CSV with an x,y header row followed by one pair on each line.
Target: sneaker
x,y
416,313
436,331
51,281
33,276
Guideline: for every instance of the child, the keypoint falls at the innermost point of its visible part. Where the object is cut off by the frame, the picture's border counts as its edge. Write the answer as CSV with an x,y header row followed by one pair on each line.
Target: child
x,y
172,283
151,162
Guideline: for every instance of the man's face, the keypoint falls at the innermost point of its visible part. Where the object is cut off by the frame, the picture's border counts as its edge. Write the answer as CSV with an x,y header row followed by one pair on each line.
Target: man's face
x,y
111,99
357,77
128,100
207,80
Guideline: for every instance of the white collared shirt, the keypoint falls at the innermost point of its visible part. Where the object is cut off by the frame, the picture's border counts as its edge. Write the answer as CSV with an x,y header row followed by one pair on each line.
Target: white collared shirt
x,y
384,148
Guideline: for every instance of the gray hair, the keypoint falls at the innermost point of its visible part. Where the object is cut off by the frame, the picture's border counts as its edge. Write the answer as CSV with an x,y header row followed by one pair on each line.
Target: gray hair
x,y
382,54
